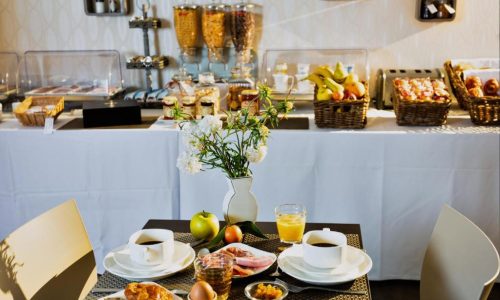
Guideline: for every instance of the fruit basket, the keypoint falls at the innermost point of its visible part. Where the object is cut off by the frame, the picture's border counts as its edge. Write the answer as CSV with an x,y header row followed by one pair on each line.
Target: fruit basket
x,y
427,105
34,110
349,114
483,109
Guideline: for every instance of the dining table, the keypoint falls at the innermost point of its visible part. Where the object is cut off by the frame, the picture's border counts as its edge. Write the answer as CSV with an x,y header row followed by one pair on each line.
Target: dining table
x,y
184,279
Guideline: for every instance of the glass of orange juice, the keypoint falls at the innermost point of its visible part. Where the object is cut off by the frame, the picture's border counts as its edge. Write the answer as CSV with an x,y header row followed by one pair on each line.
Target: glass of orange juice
x,y
291,222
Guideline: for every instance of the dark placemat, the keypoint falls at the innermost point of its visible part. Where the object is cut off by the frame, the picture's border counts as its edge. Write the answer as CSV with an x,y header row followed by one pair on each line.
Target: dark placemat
x,y
77,124
183,280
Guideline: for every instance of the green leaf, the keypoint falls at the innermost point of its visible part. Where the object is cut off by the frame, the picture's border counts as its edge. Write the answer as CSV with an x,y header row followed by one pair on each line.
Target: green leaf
x,y
217,239
251,228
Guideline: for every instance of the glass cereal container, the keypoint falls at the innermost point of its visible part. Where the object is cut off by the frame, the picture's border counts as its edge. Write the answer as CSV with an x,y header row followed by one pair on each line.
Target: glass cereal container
x,y
187,28
243,29
213,28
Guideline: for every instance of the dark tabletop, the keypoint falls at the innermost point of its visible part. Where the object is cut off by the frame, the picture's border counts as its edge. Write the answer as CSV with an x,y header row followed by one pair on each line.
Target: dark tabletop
x,y
183,280
353,231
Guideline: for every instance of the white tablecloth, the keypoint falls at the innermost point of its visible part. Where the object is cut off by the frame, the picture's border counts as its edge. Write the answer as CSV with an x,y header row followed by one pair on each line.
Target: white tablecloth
x,y
119,178
392,180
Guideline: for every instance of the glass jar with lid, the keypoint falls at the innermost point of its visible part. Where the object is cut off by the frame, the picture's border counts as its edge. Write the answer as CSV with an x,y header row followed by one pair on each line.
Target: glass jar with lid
x,y
207,87
250,101
169,103
181,84
213,28
187,27
189,107
243,29
207,106
240,80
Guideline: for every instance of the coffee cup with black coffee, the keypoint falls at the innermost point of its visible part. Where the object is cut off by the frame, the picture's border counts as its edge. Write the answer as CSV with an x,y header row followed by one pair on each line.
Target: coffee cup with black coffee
x,y
324,248
151,246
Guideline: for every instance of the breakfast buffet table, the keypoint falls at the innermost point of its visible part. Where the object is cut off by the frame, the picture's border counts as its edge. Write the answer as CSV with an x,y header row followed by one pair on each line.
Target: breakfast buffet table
x,y
391,180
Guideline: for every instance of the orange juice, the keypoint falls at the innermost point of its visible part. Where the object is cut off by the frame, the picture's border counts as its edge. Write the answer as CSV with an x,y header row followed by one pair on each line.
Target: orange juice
x,y
291,227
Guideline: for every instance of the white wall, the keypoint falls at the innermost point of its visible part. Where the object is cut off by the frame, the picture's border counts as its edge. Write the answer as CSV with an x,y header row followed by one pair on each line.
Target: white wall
x,y
387,27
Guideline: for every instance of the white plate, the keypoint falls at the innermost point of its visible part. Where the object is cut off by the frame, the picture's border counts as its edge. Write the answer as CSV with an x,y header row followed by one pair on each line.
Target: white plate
x,y
353,259
256,252
356,271
121,294
123,259
111,266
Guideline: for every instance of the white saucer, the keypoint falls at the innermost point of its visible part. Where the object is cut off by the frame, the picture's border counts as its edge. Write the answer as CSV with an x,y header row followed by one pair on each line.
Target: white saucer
x,y
354,257
358,263
183,257
123,259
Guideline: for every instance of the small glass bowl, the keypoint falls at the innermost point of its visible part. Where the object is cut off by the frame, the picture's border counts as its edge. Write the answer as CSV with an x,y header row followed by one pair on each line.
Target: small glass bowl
x,y
250,289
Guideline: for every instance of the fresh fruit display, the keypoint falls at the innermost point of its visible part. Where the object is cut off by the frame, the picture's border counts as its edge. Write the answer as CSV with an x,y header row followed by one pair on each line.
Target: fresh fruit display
x,y
204,226
421,89
336,85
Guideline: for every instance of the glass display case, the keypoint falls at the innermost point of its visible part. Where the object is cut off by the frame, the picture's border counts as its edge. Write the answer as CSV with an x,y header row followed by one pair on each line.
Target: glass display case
x,y
286,69
8,71
76,75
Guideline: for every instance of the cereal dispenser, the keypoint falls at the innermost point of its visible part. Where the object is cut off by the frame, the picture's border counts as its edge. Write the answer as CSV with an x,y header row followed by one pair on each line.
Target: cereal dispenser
x,y
243,29
213,27
186,23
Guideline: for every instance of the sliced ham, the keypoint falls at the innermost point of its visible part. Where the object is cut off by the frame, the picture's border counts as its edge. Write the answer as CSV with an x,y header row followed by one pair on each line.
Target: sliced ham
x,y
254,262
237,270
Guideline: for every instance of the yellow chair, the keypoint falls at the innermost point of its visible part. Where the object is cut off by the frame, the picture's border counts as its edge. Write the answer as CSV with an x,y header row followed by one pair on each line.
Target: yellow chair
x,y
50,257
460,263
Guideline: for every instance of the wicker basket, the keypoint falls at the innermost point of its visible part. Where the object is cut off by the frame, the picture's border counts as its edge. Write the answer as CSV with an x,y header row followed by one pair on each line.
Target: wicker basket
x,y
457,86
482,110
420,112
349,114
38,118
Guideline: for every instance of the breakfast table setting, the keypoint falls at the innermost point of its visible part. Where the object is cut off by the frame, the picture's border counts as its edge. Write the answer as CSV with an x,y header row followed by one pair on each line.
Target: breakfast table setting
x,y
286,268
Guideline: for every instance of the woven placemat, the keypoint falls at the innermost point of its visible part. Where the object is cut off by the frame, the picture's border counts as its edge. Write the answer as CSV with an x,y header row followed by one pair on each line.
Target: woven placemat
x,y
183,280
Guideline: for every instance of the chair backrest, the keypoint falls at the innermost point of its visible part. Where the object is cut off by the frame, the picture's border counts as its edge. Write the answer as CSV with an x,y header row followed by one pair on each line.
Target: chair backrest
x,y
50,257
460,263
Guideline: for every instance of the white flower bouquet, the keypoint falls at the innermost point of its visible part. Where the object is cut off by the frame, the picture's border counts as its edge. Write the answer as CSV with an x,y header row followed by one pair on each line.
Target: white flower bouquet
x,y
232,146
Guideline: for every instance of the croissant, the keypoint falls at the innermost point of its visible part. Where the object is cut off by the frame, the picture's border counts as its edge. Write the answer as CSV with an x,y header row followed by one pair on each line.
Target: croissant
x,y
472,82
476,92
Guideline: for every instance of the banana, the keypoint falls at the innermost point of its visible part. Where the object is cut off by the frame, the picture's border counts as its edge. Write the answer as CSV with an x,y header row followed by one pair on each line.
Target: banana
x,y
332,85
324,71
315,78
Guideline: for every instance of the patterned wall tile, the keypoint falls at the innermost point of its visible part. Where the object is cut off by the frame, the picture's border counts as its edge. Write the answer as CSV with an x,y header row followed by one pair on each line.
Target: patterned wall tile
x,y
387,27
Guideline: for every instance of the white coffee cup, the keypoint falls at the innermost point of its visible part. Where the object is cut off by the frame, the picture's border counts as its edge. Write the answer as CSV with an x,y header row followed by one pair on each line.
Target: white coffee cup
x,y
151,246
318,254
281,82
303,69
303,86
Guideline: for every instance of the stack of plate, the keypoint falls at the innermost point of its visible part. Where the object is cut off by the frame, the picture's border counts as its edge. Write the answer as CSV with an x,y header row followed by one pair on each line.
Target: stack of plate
x,y
119,263
357,263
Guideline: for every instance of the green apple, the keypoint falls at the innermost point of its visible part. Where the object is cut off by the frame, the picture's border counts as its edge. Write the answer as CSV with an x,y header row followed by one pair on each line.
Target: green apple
x,y
204,226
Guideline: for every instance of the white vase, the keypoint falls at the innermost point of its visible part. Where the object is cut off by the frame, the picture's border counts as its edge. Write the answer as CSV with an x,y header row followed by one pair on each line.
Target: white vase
x,y
240,203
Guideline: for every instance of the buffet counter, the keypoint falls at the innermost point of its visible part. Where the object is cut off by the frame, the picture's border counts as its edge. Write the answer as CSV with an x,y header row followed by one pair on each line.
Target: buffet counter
x,y
390,179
